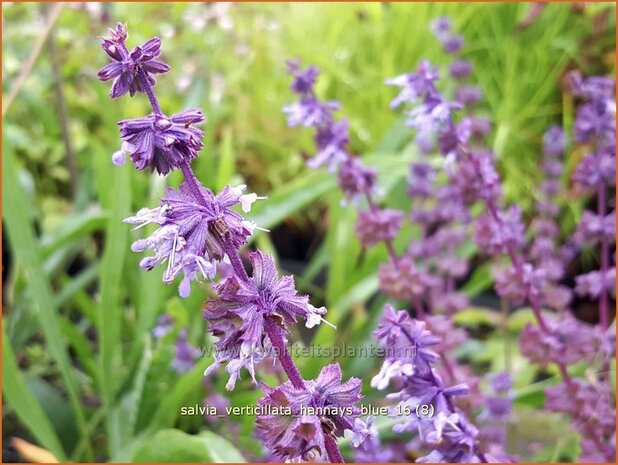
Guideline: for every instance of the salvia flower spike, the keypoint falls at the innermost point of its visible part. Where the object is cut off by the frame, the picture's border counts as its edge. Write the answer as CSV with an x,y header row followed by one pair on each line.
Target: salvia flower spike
x,y
199,231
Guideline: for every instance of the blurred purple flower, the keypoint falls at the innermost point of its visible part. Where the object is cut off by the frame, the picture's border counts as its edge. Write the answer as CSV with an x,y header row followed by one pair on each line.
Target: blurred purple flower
x,y
495,235
595,282
378,225
460,69
310,112
554,142
304,79
421,179
185,354
404,280
331,140
595,169
414,85
164,324
354,179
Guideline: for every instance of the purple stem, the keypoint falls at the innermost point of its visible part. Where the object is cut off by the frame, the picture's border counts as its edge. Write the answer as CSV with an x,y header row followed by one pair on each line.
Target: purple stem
x,y
143,78
332,450
238,267
273,331
603,298
192,182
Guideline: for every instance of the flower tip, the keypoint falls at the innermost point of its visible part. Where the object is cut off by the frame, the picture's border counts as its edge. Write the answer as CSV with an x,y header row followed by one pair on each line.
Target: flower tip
x,y
119,157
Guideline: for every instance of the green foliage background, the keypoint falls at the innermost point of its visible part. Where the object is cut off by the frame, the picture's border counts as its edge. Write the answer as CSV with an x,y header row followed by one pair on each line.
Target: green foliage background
x,y
82,376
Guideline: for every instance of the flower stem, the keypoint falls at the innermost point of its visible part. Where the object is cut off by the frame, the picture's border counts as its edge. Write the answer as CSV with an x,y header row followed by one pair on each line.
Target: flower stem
x,y
239,268
192,182
332,449
143,79
273,331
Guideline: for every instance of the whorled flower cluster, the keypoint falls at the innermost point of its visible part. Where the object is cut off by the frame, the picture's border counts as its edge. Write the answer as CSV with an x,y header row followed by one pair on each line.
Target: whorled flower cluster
x,y
409,366
324,406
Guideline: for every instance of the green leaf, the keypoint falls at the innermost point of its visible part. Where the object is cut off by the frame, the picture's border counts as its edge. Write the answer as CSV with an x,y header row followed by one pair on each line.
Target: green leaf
x,y
110,309
290,198
169,407
78,225
174,446
476,316
26,250
26,405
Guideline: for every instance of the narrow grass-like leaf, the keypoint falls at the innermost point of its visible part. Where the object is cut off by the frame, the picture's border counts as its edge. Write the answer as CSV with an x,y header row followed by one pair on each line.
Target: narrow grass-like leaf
x,y
110,308
25,404
26,250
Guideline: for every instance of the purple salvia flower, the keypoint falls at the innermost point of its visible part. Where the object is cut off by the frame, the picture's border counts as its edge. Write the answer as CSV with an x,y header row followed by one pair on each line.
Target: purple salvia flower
x,y
366,441
192,234
310,112
501,383
453,44
165,323
331,140
441,27
409,346
516,284
304,79
592,410
421,179
592,88
594,170
298,434
453,438
554,142
476,177
595,282
592,228
355,179
378,225
161,143
468,95
404,279
460,69
238,313
567,342
414,85
185,354
126,66
448,433
495,236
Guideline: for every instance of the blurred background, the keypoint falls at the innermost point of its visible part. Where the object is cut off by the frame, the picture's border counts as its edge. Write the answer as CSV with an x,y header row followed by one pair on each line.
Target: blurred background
x,y
90,341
